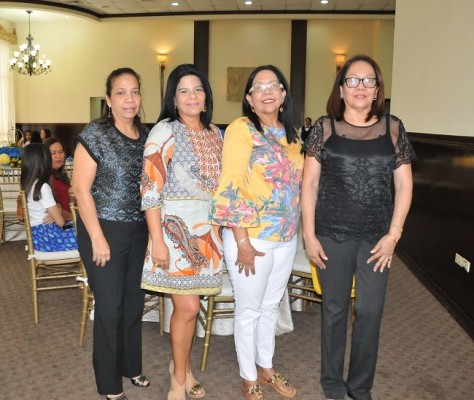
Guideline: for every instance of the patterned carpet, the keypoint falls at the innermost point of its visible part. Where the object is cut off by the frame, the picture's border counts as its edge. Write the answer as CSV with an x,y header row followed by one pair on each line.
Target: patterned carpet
x,y
424,354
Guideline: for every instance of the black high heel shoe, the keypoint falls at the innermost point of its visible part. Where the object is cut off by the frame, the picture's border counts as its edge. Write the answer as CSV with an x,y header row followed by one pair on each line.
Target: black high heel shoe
x,y
141,381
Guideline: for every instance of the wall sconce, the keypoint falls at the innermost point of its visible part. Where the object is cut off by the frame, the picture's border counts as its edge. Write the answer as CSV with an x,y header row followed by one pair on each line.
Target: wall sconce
x,y
340,59
162,61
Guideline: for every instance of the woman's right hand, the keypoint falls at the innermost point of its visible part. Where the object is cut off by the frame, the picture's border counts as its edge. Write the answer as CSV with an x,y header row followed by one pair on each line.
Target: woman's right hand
x,y
160,255
315,252
246,258
100,251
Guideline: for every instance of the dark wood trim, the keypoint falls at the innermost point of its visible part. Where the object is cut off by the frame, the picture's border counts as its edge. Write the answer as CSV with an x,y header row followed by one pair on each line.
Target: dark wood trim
x,y
201,45
466,142
299,29
200,13
441,221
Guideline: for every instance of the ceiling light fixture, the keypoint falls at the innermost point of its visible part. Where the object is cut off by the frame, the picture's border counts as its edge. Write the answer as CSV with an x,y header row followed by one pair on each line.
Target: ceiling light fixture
x,y
324,1
27,61
248,3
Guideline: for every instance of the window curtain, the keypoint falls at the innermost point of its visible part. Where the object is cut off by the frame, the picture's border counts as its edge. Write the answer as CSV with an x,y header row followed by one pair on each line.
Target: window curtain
x,y
7,97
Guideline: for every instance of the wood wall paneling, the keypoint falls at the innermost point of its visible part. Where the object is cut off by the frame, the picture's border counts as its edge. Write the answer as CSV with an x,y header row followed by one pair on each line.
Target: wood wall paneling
x,y
441,221
299,30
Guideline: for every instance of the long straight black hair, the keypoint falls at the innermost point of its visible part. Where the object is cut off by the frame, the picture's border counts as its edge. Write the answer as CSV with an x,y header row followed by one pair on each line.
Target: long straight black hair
x,y
36,165
168,109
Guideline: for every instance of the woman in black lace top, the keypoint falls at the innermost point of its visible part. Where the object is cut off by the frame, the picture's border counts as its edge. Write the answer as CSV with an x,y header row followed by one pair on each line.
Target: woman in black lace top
x,y
351,223
112,231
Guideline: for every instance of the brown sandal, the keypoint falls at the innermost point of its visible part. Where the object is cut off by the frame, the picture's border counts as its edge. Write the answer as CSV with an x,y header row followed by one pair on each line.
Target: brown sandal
x,y
277,381
254,392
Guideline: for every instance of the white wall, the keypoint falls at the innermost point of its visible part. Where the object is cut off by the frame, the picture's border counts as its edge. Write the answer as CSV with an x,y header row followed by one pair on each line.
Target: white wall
x,y
351,37
84,51
433,75
249,43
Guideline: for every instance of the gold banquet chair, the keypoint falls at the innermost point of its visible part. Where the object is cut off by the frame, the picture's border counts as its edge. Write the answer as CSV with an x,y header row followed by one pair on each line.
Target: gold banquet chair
x,y
48,269
153,301
215,307
9,191
301,285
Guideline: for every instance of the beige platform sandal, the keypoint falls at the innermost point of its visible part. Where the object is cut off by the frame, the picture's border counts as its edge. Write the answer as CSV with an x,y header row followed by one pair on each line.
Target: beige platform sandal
x,y
194,389
177,391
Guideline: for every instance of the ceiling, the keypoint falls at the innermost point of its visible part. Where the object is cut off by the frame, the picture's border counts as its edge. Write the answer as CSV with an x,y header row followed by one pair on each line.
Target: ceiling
x,y
14,11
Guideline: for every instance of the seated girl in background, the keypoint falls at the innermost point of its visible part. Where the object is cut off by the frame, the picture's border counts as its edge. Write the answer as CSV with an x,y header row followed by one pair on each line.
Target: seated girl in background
x,y
60,182
35,173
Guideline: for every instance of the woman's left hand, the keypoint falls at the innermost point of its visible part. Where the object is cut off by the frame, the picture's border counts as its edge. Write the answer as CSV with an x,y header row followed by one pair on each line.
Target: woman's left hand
x,y
383,253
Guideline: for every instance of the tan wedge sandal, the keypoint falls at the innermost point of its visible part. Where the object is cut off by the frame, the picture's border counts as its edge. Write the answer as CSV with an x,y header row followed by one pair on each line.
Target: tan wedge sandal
x,y
177,391
194,389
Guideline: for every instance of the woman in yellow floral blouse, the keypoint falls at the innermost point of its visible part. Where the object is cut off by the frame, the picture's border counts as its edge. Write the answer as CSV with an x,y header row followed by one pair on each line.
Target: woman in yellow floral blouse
x,y
258,202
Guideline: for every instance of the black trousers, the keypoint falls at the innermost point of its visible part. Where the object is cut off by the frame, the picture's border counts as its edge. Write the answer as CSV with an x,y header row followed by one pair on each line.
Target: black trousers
x,y
344,261
119,302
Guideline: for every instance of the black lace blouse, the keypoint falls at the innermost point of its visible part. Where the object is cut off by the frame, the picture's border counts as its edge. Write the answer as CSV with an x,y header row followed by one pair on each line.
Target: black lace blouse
x,y
357,164
116,188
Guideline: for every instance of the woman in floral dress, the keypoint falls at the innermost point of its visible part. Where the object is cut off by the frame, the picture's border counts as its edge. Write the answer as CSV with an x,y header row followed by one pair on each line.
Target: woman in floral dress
x,y
182,164
258,203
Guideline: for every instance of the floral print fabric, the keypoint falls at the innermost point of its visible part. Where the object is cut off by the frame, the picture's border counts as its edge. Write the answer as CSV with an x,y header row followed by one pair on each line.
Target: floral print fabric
x,y
260,184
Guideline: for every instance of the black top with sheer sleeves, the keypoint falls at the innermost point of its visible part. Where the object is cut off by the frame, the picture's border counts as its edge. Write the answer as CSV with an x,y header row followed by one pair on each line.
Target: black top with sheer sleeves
x,y
357,163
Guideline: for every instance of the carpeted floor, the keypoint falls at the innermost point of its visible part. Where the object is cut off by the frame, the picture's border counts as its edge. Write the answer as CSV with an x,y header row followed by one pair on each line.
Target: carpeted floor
x,y
424,354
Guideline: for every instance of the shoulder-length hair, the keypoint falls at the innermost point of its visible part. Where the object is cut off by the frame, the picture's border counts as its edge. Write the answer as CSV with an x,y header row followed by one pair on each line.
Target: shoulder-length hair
x,y
108,116
284,116
59,173
335,106
36,165
168,108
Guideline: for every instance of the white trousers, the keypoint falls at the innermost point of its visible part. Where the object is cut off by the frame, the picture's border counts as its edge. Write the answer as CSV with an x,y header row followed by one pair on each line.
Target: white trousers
x,y
257,299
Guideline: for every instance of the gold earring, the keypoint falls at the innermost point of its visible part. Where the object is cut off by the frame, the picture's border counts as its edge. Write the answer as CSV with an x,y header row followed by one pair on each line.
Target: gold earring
x,y
204,109
281,108
253,109
375,98
110,111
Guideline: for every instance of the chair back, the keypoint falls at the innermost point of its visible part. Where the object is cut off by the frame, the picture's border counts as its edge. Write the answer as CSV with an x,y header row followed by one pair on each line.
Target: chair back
x,y
10,175
9,190
26,221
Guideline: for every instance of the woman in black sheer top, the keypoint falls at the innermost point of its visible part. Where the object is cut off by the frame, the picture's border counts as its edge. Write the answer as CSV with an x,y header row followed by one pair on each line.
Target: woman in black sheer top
x,y
351,222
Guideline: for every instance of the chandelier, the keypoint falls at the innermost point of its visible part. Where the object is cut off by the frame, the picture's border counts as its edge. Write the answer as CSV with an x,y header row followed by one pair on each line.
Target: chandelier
x,y
27,61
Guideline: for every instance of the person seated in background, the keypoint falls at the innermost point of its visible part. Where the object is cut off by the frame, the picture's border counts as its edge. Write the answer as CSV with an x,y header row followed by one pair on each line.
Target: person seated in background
x,y
60,181
35,137
49,229
45,134
304,130
25,139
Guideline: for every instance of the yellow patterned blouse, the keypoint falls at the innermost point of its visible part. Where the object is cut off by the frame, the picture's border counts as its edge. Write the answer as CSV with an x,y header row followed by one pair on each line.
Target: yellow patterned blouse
x,y
260,185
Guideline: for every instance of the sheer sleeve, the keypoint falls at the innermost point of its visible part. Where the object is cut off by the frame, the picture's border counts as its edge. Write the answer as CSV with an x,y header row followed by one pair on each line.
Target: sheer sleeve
x,y
233,204
314,142
158,152
404,153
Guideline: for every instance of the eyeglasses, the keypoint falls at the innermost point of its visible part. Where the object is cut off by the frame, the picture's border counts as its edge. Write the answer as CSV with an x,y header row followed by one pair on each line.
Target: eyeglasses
x,y
261,87
353,82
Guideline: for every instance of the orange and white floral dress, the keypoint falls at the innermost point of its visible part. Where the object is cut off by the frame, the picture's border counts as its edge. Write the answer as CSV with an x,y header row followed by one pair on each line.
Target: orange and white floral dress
x,y
181,170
